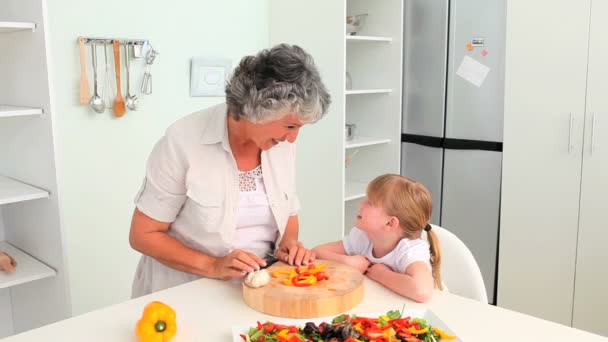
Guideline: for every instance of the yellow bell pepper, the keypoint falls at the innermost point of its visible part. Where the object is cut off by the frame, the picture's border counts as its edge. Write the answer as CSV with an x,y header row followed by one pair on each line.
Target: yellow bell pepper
x,y
443,335
389,334
284,334
157,323
418,332
316,269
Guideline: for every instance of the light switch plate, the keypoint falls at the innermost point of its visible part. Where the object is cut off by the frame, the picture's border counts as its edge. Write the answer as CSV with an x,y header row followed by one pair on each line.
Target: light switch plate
x,y
208,76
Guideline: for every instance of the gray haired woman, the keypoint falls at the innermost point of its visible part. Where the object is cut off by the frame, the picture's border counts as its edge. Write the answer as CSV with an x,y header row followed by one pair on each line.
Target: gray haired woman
x,y
219,192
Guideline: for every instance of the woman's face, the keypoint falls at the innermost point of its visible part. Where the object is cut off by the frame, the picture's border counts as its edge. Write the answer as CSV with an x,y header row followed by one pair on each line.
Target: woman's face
x,y
267,134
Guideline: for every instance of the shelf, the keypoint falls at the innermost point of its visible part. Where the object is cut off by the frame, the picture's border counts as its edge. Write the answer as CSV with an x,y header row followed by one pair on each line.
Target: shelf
x,y
6,111
28,269
7,26
365,141
12,191
354,190
367,91
368,39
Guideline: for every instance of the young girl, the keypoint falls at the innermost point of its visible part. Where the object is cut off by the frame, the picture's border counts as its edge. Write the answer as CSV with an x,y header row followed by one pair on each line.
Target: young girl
x,y
386,243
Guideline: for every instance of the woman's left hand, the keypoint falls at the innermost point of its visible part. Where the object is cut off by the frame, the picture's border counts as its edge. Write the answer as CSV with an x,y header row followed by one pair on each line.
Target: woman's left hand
x,y
376,271
294,253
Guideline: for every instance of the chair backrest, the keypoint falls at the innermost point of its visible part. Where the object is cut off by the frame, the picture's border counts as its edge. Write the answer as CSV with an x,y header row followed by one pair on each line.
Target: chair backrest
x,y
459,270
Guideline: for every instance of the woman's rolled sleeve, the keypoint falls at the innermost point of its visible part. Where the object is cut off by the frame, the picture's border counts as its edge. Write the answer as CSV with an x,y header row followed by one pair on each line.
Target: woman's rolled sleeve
x,y
163,191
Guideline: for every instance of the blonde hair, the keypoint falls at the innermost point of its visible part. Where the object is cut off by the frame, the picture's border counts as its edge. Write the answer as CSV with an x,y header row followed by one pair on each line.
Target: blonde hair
x,y
411,203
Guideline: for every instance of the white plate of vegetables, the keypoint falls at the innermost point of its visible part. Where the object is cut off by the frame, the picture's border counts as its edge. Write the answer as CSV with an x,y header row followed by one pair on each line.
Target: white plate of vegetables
x,y
411,325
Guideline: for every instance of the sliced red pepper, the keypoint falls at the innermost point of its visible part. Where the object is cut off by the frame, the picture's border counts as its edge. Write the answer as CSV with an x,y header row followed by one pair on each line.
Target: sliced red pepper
x,y
412,339
243,337
321,276
373,333
269,327
296,282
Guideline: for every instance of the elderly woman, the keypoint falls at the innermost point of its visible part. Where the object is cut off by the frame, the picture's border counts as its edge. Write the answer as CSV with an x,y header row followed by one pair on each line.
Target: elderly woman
x,y
219,192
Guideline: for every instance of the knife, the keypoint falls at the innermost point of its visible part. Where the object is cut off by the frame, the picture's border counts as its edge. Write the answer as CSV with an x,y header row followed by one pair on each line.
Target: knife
x,y
270,260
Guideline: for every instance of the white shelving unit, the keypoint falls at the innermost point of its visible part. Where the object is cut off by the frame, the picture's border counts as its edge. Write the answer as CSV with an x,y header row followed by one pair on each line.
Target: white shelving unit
x,y
365,141
368,39
354,190
37,292
7,111
373,59
28,268
11,26
12,191
367,91
374,103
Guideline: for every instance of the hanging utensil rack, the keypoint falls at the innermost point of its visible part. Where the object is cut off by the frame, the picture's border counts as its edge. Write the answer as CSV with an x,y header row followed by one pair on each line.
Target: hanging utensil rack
x,y
140,48
121,41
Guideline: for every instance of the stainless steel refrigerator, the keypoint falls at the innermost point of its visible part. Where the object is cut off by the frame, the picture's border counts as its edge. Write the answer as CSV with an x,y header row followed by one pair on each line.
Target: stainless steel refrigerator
x,y
452,123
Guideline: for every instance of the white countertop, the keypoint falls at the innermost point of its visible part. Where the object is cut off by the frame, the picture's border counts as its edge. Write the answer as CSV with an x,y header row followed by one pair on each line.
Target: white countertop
x,y
207,310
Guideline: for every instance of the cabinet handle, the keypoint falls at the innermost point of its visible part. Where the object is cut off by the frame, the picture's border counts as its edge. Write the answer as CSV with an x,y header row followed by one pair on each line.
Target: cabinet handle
x,y
570,147
592,133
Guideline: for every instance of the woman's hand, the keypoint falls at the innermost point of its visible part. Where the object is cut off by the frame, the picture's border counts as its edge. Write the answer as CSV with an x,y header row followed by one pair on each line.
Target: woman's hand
x,y
376,271
359,262
293,252
236,264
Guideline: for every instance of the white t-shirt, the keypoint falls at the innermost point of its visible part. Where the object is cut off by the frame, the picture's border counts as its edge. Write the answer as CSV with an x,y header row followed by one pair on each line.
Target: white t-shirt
x,y
407,251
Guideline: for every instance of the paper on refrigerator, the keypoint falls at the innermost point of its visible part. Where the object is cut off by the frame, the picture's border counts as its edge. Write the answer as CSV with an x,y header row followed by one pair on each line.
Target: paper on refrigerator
x,y
473,71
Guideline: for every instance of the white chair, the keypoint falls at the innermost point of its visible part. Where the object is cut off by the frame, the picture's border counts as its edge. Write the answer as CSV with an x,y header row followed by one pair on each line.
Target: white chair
x,y
459,270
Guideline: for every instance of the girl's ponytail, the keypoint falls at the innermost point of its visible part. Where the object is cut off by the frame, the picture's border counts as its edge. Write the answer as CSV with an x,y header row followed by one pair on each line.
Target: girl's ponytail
x,y
435,256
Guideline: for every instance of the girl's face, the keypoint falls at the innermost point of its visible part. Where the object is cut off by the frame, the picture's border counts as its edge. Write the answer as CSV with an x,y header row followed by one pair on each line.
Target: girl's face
x,y
267,134
371,219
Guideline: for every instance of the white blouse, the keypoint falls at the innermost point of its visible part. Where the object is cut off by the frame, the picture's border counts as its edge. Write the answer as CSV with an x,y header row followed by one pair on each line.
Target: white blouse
x,y
256,228
192,182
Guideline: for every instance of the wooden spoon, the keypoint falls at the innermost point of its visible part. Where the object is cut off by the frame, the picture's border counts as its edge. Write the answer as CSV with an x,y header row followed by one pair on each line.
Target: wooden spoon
x,y
119,102
85,93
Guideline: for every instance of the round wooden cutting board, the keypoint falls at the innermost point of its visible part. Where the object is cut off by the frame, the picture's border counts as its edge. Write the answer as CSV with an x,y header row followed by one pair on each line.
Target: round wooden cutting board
x,y
340,293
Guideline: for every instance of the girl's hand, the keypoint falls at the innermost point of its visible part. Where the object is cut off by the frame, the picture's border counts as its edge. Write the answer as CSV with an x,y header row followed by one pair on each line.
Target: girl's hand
x,y
236,264
357,261
376,271
293,253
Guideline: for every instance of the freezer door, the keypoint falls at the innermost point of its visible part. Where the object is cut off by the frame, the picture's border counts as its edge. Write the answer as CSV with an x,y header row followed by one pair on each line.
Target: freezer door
x,y
424,164
476,113
471,205
424,66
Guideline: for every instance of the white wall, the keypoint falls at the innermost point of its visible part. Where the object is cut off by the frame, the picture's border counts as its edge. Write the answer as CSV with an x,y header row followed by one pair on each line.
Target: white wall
x,y
320,153
100,158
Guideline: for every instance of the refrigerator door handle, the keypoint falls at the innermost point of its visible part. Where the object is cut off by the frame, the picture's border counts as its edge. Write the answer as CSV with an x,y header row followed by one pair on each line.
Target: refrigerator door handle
x,y
570,147
592,132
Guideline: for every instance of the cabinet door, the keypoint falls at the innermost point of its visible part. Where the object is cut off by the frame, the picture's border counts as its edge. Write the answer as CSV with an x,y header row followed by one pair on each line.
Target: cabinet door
x,y
590,297
545,77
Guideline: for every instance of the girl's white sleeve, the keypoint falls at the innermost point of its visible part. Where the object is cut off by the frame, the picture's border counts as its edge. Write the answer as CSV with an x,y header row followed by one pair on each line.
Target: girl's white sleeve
x,y
412,251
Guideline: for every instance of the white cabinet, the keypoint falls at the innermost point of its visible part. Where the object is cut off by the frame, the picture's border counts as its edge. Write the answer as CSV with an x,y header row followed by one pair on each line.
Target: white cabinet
x,y
590,297
30,227
373,59
552,95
